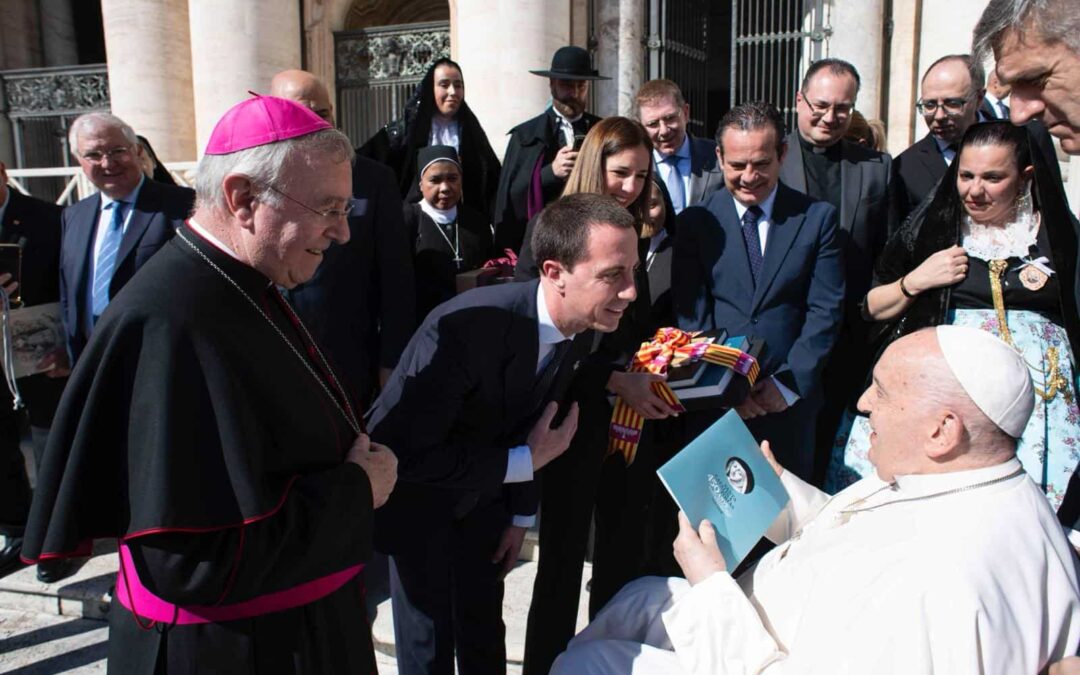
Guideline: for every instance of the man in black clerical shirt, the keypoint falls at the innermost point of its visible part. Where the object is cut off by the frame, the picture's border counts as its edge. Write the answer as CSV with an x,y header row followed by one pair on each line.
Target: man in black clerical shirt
x,y
855,181
542,151
205,432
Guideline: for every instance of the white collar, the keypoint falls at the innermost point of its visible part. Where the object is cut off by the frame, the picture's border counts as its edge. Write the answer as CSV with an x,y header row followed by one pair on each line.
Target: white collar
x,y
563,117
205,234
548,331
682,153
440,216
765,206
128,199
916,485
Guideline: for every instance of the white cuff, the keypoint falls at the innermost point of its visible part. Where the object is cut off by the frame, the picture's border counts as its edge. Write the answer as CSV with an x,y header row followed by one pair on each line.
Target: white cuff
x,y
1074,537
523,521
790,397
519,466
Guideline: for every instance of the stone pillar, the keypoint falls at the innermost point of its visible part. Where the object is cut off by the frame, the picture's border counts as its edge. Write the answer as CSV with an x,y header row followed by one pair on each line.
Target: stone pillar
x,y
857,38
903,74
58,33
237,46
149,62
498,43
620,55
321,19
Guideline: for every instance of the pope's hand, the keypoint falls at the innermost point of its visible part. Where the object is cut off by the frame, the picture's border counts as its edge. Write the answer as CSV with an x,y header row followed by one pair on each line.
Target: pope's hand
x,y
697,552
380,465
1068,666
766,450
545,443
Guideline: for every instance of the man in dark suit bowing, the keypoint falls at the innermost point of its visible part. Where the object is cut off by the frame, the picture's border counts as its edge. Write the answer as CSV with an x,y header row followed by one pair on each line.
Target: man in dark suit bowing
x,y
855,181
109,235
950,94
542,151
33,226
465,408
687,165
760,259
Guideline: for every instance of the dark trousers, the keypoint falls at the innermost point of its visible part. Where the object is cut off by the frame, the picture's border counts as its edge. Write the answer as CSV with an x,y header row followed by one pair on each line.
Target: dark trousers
x,y
14,485
447,597
568,494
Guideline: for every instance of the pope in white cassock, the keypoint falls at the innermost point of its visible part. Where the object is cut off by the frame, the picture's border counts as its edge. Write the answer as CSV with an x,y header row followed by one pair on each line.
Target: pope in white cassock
x,y
948,561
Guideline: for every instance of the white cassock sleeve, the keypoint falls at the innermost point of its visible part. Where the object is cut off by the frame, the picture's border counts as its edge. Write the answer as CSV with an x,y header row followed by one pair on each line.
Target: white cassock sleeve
x,y
806,502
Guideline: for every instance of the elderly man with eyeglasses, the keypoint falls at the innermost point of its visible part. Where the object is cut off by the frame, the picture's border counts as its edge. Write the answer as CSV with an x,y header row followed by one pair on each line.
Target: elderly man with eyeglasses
x,y
951,92
110,234
855,181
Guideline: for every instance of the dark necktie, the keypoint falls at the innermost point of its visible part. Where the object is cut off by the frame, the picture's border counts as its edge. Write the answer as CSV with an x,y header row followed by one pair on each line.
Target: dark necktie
x,y
753,241
547,374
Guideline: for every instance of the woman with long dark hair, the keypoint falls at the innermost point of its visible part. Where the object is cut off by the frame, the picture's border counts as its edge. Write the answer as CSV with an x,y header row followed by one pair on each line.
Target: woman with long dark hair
x,y
437,114
992,249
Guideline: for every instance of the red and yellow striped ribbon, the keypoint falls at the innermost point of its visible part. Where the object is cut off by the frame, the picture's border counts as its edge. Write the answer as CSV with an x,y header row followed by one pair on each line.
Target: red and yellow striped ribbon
x,y
669,347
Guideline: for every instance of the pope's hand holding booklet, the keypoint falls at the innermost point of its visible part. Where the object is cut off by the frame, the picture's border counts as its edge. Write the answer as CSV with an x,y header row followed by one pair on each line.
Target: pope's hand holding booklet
x,y
724,477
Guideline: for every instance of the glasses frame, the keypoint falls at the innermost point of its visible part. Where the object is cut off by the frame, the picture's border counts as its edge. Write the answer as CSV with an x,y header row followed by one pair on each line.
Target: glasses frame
x,y
333,214
943,103
817,113
113,154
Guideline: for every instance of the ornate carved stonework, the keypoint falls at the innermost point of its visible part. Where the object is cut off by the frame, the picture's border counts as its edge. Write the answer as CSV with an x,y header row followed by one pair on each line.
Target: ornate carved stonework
x,y
383,56
56,93
371,13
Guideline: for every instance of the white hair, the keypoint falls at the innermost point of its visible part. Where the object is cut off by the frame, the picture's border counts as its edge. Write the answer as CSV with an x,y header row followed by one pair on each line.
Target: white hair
x,y
264,164
98,120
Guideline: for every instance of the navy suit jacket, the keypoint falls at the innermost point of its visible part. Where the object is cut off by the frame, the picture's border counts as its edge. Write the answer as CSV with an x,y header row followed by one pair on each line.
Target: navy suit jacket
x,y
797,304
360,305
463,394
158,211
705,176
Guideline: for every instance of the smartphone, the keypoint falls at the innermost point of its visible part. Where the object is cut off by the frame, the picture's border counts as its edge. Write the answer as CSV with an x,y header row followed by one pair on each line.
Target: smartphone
x,y
578,140
11,262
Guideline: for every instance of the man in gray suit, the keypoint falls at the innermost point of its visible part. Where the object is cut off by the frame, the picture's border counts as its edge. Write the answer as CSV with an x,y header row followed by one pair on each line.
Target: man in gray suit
x,y
687,165
855,180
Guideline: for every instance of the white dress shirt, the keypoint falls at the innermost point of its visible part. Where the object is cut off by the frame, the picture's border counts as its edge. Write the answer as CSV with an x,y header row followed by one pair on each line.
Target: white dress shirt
x,y
444,132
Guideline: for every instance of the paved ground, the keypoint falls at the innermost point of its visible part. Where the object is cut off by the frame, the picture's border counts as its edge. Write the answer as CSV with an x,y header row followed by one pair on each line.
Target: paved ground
x,y
43,629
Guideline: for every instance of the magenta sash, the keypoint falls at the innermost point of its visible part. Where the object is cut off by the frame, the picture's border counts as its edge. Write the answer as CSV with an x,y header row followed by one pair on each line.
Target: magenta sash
x,y
142,603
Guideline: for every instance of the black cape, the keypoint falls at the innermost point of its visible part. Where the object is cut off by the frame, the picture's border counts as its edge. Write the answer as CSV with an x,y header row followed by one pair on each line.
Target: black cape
x,y
192,430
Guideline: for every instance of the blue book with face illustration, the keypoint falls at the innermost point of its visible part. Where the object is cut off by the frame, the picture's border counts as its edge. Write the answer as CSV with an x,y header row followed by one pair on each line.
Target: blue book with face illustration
x,y
722,475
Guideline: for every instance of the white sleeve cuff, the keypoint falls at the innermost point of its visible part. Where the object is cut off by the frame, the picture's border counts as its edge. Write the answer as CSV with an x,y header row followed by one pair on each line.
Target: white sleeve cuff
x,y
1074,537
523,521
790,397
519,466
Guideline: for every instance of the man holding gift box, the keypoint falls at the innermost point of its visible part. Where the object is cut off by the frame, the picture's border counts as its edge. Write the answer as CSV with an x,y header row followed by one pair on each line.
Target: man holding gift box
x,y
762,260
465,409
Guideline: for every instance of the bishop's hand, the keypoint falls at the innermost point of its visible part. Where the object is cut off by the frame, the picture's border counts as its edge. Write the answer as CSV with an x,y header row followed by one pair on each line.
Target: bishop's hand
x,y
696,551
380,465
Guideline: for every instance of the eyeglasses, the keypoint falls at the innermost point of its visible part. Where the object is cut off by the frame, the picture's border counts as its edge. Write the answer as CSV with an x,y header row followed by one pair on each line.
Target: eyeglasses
x,y
951,106
333,214
95,157
840,111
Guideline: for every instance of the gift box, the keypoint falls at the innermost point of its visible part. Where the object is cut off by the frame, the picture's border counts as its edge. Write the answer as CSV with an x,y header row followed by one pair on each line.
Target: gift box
x,y
715,386
476,278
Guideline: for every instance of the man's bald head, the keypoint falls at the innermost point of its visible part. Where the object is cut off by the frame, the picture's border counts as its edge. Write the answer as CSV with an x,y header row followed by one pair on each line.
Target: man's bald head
x,y
306,89
923,419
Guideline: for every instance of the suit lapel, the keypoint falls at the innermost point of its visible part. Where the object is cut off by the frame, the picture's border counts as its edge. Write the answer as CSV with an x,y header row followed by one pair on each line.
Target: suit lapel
x,y
783,230
933,160
13,226
82,237
792,172
522,345
850,189
141,212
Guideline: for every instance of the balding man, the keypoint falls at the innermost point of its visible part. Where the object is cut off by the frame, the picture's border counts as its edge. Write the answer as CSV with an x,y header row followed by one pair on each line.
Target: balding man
x,y
112,233
361,302
948,560
951,92
205,432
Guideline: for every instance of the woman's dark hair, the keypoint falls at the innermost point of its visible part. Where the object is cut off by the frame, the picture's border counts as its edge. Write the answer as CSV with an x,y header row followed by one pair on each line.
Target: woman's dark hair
x,y
946,206
669,206
161,174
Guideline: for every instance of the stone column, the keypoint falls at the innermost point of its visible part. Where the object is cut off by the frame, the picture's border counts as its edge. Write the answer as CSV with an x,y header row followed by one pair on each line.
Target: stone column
x,y
58,33
619,55
237,46
498,43
903,81
149,62
857,27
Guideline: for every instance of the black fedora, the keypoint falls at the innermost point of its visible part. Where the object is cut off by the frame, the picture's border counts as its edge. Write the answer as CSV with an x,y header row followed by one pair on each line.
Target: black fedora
x,y
570,63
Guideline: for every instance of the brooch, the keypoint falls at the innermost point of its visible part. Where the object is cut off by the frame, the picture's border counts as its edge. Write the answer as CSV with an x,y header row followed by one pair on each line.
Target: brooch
x,y
1032,277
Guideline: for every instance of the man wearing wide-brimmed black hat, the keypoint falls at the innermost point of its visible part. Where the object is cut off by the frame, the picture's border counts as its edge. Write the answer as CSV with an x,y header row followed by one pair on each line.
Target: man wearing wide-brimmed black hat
x,y
541,151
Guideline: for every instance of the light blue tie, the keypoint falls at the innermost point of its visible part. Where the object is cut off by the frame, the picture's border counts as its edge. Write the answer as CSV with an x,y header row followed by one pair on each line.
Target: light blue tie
x,y
674,182
106,260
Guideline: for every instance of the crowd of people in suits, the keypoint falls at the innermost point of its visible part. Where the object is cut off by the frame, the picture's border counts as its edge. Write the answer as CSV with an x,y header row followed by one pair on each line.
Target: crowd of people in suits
x,y
812,239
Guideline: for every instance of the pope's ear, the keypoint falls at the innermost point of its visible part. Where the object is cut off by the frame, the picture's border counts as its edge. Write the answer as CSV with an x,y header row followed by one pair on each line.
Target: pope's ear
x,y
239,196
947,437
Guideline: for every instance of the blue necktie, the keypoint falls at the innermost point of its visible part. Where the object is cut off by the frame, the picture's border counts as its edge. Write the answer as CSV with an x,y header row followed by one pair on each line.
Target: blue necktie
x,y
674,183
106,259
753,241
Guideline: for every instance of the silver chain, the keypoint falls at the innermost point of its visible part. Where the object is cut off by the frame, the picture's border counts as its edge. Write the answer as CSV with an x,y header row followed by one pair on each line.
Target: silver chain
x,y
346,412
953,491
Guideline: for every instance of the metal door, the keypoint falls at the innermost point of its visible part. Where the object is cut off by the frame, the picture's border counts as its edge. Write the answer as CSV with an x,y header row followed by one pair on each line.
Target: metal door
x,y
676,49
377,70
773,42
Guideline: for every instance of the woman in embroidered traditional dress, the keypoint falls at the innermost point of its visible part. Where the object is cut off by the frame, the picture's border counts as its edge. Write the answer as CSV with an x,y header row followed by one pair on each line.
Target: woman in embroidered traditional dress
x,y
993,248
437,114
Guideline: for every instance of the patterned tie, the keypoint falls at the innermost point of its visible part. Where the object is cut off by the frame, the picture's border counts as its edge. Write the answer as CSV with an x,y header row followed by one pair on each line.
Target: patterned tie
x,y
106,260
674,184
753,241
